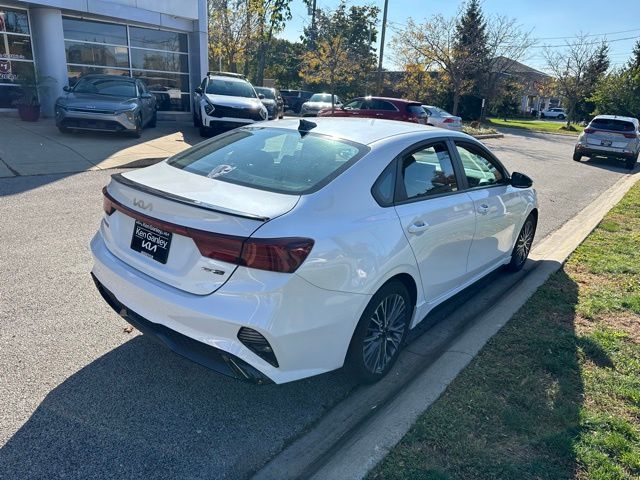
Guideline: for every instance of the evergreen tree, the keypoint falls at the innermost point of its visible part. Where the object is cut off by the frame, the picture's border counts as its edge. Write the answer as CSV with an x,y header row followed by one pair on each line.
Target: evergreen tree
x,y
472,51
635,59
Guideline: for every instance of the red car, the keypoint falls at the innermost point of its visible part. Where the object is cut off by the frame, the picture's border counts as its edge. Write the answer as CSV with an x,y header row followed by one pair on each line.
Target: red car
x,y
380,107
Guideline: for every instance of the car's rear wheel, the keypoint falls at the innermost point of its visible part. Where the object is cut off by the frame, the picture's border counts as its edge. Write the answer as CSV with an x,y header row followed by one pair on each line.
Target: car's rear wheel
x,y
576,156
630,163
523,245
561,117
380,333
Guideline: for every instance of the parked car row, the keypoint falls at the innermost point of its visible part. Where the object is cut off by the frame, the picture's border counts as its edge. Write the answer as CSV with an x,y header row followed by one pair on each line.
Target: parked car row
x,y
222,101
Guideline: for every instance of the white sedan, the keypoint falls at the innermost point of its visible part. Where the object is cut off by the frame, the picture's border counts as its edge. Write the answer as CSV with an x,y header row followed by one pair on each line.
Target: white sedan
x,y
274,253
438,117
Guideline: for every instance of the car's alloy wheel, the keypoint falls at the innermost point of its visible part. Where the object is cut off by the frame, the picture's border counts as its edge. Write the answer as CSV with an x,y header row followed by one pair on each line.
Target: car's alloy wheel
x,y
523,245
379,336
560,117
137,133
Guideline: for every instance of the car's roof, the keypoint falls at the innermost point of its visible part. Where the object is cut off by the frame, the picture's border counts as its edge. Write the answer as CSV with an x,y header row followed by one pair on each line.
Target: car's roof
x,y
228,78
362,130
616,117
389,99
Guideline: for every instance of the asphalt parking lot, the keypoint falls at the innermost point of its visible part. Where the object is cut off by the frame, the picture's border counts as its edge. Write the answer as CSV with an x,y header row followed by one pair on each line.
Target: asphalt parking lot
x,y
81,398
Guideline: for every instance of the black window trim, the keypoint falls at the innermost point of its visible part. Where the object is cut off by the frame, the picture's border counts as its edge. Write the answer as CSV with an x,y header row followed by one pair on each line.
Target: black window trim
x,y
485,152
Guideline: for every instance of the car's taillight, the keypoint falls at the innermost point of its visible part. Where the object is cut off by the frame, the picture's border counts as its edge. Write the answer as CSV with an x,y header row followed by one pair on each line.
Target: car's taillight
x,y
274,254
107,205
589,130
448,120
630,135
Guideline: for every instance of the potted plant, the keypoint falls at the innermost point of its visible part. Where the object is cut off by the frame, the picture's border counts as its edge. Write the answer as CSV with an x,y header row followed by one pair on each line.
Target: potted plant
x,y
28,104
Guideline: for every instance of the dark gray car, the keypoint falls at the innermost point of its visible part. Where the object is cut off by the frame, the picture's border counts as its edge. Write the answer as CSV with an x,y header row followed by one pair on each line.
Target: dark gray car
x,y
106,103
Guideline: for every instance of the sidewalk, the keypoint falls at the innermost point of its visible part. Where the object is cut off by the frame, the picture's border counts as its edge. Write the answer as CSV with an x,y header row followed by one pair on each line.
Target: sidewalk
x,y
39,148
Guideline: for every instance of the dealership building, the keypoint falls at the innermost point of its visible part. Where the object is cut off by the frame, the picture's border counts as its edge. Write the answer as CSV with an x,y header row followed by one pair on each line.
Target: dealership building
x,y
162,42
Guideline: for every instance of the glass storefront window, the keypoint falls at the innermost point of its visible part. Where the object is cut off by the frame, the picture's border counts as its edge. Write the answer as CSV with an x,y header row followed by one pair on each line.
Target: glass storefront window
x,y
158,39
77,71
162,61
14,21
89,31
158,57
19,47
93,54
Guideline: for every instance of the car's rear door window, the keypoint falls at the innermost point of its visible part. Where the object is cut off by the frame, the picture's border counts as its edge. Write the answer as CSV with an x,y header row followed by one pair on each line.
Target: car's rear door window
x,y
427,172
479,168
274,159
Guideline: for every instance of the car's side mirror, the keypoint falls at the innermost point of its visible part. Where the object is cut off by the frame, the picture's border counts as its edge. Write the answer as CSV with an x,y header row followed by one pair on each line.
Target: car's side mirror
x,y
260,96
198,90
66,88
520,180
146,96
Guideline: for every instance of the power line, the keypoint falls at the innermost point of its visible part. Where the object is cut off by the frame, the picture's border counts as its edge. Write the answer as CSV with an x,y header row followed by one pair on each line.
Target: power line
x,y
590,35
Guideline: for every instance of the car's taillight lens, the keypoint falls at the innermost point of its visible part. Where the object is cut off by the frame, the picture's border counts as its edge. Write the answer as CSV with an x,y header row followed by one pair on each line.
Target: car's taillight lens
x,y
589,130
107,205
273,254
630,135
276,254
448,120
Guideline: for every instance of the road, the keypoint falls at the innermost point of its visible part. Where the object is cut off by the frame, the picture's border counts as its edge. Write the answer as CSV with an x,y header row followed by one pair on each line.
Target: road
x,y
81,398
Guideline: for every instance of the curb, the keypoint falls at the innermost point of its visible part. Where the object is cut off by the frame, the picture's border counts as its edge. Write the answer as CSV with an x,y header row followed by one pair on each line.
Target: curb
x,y
358,448
540,132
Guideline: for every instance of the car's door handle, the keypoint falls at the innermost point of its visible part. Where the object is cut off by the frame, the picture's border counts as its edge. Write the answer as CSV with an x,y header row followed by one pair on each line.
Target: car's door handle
x,y
483,209
417,227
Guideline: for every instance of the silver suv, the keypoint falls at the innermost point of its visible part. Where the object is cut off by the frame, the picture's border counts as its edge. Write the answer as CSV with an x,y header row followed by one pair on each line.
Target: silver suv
x,y
225,101
610,136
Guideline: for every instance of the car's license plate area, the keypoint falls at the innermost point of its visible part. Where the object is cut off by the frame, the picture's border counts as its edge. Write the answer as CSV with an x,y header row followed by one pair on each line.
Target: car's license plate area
x,y
605,143
151,241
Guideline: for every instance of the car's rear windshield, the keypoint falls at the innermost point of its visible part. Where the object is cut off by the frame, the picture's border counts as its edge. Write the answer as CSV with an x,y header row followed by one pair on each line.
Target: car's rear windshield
x,y
113,87
232,88
274,159
612,124
267,92
416,109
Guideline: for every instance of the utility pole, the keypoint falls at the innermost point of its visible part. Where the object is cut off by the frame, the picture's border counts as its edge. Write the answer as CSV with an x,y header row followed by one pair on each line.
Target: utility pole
x,y
384,29
313,25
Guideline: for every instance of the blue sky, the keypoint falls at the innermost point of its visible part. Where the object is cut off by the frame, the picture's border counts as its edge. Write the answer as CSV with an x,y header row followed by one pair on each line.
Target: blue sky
x,y
549,19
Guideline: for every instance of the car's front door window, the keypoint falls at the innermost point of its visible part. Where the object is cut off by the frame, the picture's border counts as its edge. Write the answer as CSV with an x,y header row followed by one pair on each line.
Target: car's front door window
x,y
479,169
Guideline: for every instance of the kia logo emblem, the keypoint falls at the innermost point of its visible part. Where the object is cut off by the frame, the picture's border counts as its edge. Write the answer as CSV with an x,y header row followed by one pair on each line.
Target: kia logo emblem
x,y
140,204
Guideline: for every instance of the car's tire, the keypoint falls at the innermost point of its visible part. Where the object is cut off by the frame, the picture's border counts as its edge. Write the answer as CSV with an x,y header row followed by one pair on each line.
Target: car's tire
x,y
576,156
630,163
137,133
380,333
523,244
64,130
561,117
154,120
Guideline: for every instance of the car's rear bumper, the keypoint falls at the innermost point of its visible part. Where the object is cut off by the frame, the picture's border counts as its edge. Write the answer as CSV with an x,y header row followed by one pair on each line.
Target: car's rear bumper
x,y
611,152
116,122
308,328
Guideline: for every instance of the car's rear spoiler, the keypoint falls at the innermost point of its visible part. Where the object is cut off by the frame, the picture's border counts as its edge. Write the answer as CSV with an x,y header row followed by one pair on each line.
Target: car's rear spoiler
x,y
118,177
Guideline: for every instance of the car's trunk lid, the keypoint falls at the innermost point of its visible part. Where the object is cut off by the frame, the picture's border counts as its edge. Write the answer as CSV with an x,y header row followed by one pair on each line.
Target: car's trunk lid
x,y
162,198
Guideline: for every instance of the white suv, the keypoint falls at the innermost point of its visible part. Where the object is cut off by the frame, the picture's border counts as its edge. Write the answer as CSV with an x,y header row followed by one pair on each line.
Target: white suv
x,y
224,101
612,137
558,113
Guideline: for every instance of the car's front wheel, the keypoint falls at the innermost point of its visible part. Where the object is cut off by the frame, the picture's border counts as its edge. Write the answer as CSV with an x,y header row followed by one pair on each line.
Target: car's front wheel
x,y
380,333
154,119
137,133
576,156
631,162
523,245
561,117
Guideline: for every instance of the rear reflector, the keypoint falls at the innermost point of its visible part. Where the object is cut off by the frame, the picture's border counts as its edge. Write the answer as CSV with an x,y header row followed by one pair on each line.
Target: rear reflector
x,y
273,254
